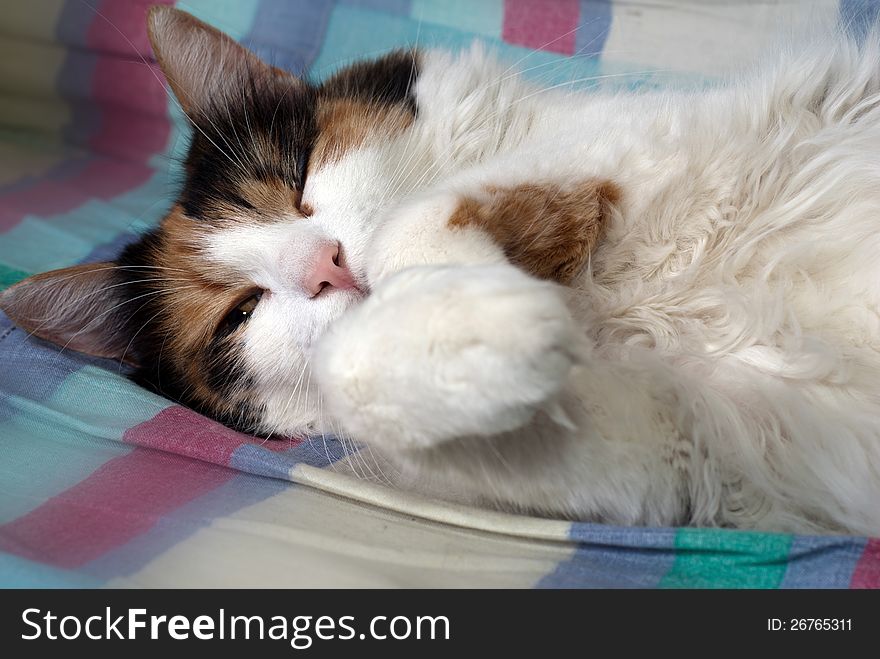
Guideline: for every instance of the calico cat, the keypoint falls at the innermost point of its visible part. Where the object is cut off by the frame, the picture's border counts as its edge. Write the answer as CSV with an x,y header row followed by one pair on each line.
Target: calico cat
x,y
629,307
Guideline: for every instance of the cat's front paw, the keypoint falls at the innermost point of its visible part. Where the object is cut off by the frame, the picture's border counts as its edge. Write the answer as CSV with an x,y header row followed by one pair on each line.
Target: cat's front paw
x,y
437,353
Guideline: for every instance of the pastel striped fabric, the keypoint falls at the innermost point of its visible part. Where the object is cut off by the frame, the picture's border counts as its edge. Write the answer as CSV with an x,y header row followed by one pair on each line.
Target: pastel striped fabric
x,y
104,484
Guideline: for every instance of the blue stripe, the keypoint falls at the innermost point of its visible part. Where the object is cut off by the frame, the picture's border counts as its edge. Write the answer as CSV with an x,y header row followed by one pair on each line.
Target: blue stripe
x,y
289,35
317,452
594,27
822,562
614,557
399,7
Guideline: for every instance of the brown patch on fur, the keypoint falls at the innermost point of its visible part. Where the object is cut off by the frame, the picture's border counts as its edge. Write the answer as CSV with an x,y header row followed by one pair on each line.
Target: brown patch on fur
x,y
345,124
547,230
271,197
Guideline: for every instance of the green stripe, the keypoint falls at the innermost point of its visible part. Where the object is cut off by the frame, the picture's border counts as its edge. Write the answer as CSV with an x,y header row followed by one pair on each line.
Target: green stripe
x,y
712,558
8,276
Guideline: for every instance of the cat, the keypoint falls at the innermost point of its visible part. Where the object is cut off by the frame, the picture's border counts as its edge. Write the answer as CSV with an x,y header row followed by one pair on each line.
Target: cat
x,y
629,307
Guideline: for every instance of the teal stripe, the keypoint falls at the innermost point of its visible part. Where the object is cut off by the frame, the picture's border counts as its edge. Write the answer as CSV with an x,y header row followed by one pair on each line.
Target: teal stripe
x,y
485,17
49,446
234,17
18,572
9,276
355,33
37,244
712,558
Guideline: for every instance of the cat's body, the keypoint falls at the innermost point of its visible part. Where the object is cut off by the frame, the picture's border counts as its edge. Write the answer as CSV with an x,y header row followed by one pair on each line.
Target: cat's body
x,y
731,307
711,357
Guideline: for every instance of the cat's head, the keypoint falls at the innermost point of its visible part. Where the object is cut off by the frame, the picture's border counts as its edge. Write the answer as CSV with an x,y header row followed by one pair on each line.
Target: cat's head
x,y
219,306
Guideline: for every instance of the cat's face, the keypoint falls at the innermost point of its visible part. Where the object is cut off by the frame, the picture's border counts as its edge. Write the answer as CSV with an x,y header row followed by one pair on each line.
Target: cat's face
x,y
219,307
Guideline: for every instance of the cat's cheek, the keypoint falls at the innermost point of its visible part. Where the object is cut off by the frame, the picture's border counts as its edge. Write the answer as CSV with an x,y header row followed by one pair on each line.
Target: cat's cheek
x,y
418,233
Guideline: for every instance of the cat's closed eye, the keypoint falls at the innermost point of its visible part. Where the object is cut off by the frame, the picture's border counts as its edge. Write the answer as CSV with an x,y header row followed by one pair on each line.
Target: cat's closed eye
x,y
240,314
302,164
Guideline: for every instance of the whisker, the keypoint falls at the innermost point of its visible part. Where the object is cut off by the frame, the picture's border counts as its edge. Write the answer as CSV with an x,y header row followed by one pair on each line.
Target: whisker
x,y
330,461
78,301
104,313
134,336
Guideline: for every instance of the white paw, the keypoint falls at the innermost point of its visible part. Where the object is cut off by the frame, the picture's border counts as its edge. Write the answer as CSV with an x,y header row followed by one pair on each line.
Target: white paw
x,y
437,353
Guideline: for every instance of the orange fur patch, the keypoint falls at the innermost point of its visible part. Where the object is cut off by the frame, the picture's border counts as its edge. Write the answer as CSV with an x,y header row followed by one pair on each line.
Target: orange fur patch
x,y
547,230
272,197
346,124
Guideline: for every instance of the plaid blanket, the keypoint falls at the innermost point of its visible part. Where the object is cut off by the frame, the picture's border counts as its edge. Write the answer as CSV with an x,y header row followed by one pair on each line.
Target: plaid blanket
x,y
105,484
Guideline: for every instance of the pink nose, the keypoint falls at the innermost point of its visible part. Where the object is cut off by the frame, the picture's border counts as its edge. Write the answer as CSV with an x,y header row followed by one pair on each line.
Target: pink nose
x,y
328,272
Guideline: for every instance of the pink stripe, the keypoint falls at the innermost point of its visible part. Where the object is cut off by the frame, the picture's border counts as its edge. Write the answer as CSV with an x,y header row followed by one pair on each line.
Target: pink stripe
x,y
549,25
184,432
180,430
120,500
128,76
129,494
101,178
130,85
132,136
137,134
128,17
867,572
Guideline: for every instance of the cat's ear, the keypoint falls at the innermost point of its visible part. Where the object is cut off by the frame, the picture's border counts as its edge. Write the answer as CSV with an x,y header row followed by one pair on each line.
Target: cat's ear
x,y
201,64
75,308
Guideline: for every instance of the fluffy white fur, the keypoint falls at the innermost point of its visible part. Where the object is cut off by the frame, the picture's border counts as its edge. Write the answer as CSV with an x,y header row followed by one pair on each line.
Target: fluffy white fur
x,y
717,364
